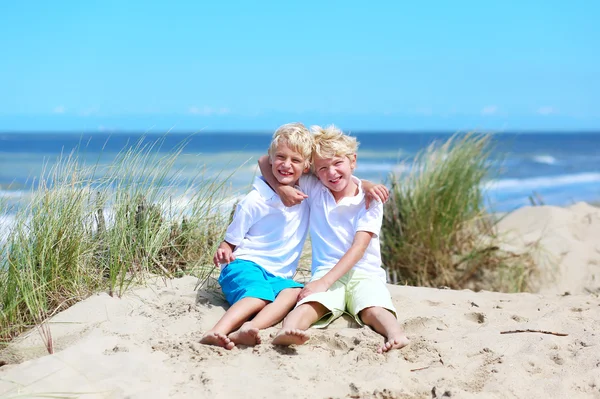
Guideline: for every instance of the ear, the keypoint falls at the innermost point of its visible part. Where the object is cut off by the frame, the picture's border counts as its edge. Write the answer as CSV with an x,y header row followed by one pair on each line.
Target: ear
x,y
353,161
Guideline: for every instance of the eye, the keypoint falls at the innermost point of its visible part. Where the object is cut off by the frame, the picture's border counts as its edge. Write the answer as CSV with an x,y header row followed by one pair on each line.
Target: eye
x,y
296,160
280,157
338,163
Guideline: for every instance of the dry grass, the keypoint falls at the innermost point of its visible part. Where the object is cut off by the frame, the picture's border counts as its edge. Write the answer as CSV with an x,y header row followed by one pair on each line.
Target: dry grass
x,y
436,231
82,233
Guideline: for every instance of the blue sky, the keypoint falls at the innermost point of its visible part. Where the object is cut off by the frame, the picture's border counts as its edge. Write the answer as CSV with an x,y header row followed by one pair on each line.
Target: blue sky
x,y
90,66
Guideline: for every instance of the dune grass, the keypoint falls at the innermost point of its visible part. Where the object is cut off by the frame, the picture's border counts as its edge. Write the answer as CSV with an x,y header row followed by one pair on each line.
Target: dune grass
x,y
436,231
91,228
97,227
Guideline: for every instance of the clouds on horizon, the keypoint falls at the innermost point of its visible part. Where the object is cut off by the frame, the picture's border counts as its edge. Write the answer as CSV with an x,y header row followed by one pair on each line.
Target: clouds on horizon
x,y
547,110
489,110
208,111
216,119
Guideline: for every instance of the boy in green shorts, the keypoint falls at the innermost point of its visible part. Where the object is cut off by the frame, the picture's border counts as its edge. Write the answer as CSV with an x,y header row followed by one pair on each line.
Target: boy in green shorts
x,y
346,260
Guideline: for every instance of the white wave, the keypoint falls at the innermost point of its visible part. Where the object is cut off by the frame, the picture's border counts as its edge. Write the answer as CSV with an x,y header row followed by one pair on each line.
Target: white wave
x,y
6,224
11,194
227,205
381,167
543,182
545,159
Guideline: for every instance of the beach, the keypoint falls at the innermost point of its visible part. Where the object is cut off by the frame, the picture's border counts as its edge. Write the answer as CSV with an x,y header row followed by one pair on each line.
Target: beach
x,y
464,344
130,142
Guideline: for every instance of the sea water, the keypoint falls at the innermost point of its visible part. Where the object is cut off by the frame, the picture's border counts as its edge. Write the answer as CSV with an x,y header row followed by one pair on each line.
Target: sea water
x,y
556,168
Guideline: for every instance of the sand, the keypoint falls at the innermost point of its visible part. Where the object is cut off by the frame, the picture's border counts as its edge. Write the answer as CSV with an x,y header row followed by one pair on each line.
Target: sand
x,y
145,345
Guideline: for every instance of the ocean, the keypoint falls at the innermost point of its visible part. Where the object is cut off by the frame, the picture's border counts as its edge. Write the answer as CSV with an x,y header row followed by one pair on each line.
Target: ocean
x,y
558,168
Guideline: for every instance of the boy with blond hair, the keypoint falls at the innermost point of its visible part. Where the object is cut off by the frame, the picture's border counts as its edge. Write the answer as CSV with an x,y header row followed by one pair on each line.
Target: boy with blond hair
x,y
262,247
346,263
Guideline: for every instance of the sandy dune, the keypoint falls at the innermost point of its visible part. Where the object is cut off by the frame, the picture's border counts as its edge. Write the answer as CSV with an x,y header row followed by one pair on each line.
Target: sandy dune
x,y
145,345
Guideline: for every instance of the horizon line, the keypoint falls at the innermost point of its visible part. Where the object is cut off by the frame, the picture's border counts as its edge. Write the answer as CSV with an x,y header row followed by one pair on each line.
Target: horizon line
x,y
268,131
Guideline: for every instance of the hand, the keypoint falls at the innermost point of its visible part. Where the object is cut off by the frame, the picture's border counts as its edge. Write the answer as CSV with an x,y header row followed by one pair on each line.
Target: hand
x,y
224,255
312,288
290,196
378,192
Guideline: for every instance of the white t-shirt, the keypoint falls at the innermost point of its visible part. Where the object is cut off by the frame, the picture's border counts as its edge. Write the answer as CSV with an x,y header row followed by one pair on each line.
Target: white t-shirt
x,y
334,225
268,233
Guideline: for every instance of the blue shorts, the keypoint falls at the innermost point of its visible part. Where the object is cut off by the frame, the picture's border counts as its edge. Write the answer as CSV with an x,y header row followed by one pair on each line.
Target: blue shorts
x,y
243,278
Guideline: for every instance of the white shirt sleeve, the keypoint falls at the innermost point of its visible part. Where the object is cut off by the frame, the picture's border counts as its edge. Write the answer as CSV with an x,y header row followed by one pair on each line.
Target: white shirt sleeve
x,y
309,183
241,223
370,219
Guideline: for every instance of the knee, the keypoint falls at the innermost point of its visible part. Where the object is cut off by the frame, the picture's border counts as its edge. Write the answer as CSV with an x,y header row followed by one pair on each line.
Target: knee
x,y
311,308
290,294
370,313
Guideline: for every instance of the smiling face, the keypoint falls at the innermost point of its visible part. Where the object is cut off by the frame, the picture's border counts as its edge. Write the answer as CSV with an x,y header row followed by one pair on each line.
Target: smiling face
x,y
287,164
336,174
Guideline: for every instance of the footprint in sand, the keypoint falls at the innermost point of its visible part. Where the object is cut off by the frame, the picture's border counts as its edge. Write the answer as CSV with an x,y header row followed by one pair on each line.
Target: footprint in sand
x,y
421,351
519,319
477,317
336,342
418,325
556,358
116,349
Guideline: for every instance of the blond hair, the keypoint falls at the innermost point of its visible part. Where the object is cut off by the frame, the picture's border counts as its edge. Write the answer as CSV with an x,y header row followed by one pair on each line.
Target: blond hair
x,y
331,142
294,135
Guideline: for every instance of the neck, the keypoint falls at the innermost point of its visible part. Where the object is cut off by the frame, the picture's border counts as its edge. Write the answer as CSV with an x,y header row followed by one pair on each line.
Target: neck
x,y
350,191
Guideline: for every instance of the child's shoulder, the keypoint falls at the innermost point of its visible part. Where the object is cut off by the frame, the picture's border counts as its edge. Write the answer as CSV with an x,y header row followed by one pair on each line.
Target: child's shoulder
x,y
309,181
252,199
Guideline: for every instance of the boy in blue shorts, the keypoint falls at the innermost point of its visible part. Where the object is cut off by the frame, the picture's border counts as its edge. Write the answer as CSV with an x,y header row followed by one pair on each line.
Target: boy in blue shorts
x,y
262,247
346,262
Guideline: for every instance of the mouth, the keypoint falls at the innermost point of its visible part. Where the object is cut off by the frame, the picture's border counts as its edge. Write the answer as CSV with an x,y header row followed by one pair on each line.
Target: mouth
x,y
285,174
335,180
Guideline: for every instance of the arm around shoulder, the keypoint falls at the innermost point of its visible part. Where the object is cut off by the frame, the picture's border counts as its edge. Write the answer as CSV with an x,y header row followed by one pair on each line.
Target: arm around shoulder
x,y
377,192
289,195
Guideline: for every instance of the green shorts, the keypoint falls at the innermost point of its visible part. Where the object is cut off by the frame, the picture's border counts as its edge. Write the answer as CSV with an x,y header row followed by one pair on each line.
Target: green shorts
x,y
353,292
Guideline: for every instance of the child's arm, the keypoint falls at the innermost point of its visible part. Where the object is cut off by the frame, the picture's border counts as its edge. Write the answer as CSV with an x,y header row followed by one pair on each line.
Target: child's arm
x,y
377,192
289,195
244,217
353,255
224,254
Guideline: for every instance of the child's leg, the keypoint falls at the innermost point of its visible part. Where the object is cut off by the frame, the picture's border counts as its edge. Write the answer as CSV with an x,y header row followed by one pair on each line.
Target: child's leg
x,y
245,286
384,322
297,322
371,303
310,310
238,313
268,316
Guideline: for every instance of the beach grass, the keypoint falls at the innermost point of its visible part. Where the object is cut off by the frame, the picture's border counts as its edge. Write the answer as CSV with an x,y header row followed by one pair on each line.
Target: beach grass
x,y
106,227
436,230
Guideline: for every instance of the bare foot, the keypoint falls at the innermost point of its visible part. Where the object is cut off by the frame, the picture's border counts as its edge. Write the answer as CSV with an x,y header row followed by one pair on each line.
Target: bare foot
x,y
217,339
394,342
290,336
246,335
